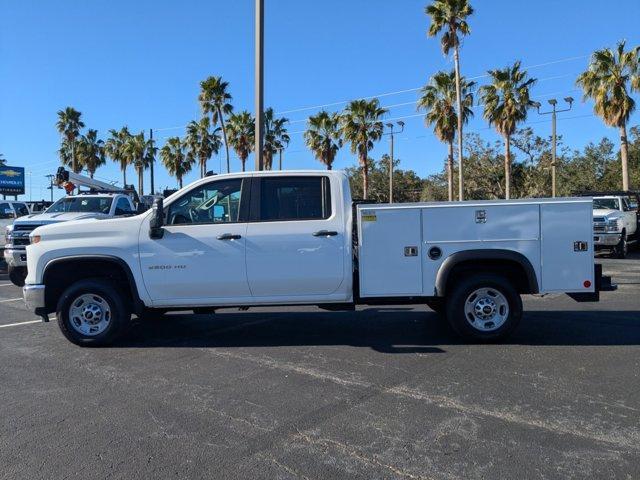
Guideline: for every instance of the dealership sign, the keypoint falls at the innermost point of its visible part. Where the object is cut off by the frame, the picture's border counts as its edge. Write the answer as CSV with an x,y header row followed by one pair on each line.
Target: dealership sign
x,y
11,180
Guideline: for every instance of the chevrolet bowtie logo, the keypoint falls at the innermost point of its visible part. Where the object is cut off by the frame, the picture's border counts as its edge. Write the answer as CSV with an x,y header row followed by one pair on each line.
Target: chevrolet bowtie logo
x,y
10,173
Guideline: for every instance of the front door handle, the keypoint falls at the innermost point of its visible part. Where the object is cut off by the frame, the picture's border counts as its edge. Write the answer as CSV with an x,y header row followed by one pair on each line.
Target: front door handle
x,y
325,233
229,236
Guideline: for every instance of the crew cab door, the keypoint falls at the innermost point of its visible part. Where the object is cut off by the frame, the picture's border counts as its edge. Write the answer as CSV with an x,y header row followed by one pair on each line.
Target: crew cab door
x,y
295,237
200,258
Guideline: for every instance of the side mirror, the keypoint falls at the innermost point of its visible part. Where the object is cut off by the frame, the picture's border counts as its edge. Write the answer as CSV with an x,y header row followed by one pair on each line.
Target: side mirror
x,y
157,219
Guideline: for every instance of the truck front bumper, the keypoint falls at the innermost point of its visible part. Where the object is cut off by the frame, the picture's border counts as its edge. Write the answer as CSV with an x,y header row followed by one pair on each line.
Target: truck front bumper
x,y
34,300
15,257
606,240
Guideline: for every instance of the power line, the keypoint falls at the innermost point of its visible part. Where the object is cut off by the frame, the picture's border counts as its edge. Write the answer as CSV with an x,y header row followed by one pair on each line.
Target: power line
x,y
396,92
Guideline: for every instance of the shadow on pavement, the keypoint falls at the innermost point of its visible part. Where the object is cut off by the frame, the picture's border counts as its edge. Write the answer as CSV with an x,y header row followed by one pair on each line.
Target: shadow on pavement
x,y
383,330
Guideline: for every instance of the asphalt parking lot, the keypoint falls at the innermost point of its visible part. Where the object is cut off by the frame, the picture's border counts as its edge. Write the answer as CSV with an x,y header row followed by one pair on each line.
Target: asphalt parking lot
x,y
385,393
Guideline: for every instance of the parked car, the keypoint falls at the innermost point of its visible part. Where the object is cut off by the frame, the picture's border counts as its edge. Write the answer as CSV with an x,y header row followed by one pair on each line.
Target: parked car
x,y
9,211
295,238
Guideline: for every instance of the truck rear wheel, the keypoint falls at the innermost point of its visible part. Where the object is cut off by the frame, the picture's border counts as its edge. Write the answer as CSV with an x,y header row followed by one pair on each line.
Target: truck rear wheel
x,y
92,313
484,308
17,275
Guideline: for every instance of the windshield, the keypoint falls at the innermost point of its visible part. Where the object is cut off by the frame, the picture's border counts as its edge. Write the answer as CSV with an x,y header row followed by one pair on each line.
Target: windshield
x,y
81,204
606,203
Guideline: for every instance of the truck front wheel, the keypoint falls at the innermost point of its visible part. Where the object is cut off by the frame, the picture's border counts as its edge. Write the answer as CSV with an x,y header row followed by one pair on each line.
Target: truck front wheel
x,y
92,313
622,248
17,275
484,308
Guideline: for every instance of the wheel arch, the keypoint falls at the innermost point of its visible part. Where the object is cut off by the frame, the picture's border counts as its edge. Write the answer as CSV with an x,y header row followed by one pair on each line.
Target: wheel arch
x,y
508,262
60,273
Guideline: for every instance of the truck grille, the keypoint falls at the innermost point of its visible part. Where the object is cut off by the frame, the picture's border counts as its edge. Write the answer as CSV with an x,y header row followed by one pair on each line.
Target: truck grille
x,y
20,235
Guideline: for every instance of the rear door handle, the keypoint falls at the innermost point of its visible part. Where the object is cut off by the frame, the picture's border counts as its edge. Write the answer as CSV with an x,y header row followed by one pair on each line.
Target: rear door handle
x,y
325,233
229,236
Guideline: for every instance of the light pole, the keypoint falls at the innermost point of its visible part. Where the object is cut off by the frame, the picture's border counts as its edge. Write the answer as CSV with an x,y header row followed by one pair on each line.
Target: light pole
x,y
259,84
153,160
391,134
553,102
30,185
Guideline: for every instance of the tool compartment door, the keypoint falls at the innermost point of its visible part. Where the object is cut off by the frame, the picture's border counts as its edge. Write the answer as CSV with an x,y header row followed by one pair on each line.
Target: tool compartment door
x,y
567,247
390,252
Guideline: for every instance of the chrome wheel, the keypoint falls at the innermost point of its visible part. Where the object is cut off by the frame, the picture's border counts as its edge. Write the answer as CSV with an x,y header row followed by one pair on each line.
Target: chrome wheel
x,y
89,314
486,309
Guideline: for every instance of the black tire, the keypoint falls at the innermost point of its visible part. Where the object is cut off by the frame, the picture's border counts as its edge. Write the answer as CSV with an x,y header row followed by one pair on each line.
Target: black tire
x,y
17,275
438,305
119,312
622,248
457,299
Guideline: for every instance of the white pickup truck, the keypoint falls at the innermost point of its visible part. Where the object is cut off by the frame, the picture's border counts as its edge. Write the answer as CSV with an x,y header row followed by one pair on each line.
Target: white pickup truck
x,y
616,220
76,207
295,238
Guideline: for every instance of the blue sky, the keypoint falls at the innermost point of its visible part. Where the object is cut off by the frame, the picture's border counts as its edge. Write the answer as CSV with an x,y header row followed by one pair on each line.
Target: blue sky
x,y
139,63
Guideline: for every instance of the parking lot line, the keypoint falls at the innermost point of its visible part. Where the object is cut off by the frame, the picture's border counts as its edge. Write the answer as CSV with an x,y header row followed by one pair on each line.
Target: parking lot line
x,y
6,284
19,323
10,300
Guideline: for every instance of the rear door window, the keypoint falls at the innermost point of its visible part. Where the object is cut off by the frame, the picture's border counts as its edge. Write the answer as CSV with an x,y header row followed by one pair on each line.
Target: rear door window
x,y
291,198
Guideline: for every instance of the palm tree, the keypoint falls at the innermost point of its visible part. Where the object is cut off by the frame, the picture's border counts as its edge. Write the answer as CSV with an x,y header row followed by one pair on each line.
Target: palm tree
x,y
201,143
439,99
215,99
174,159
361,125
323,136
611,76
115,148
241,130
506,101
69,124
451,16
136,151
276,137
90,152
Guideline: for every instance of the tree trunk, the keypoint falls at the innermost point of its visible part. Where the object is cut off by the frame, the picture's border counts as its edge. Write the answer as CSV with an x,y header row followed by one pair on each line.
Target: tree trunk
x,y
624,157
180,181
365,177
329,166
224,137
243,160
203,167
450,171
507,166
140,181
124,176
456,58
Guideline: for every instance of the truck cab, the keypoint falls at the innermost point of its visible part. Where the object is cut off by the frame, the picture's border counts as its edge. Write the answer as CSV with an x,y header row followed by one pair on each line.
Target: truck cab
x,y
296,238
616,221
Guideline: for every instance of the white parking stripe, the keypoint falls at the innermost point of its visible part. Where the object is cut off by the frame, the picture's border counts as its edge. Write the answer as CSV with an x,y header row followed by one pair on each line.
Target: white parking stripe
x,y
19,323
6,284
11,300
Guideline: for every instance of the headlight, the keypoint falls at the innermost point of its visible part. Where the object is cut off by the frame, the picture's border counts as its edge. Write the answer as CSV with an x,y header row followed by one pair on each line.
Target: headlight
x,y
35,239
613,226
7,234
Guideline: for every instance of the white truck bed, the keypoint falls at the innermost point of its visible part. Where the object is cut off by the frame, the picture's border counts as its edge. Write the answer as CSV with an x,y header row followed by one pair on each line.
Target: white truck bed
x,y
394,242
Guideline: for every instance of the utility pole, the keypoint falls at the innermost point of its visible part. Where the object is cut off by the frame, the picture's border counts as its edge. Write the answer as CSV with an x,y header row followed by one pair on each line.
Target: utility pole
x,y
153,160
51,177
259,84
30,186
391,133
553,102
